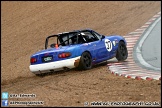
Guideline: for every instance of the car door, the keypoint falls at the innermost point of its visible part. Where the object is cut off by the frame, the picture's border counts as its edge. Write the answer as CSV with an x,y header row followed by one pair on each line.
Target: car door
x,y
100,51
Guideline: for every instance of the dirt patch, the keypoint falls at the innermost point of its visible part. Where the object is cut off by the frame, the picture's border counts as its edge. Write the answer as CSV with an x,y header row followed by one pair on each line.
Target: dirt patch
x,y
25,26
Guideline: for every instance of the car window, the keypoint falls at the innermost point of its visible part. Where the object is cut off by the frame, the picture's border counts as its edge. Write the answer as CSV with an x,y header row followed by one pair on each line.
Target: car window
x,y
88,36
67,39
97,34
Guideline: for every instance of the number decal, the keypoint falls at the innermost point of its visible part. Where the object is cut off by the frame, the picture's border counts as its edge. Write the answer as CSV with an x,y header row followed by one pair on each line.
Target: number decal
x,y
108,45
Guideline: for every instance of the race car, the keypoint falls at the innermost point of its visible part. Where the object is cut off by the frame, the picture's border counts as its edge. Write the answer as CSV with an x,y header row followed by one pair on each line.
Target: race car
x,y
79,49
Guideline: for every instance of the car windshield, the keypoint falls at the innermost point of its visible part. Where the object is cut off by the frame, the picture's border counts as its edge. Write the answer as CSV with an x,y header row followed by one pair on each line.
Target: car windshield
x,y
71,38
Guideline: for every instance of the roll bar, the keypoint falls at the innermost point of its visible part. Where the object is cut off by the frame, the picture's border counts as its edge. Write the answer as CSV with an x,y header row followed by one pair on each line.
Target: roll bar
x,y
46,42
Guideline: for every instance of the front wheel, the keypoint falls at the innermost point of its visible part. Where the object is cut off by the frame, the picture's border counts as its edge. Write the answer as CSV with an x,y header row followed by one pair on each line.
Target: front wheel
x,y
122,52
85,61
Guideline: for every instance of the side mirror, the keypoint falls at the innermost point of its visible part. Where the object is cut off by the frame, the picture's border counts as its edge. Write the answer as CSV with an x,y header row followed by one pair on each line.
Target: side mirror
x,y
102,37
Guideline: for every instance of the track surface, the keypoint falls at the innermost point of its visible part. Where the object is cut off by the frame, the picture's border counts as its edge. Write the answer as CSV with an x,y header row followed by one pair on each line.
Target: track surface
x,y
25,26
151,49
131,68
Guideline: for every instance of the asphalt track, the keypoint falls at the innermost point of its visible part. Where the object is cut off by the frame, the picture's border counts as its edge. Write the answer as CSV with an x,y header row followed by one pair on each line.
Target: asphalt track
x,y
144,53
148,49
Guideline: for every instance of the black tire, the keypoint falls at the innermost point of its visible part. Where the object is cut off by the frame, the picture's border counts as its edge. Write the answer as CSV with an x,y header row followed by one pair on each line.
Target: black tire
x,y
85,61
122,52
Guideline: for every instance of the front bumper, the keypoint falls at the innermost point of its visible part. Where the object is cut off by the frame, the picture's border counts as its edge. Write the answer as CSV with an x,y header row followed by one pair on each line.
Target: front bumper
x,y
54,66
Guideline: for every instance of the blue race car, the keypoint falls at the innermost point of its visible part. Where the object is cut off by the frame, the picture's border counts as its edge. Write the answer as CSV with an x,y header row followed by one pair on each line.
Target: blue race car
x,y
79,49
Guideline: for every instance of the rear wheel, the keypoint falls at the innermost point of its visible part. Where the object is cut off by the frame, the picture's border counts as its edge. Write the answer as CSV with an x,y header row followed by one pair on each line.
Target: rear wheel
x,y
85,61
122,52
